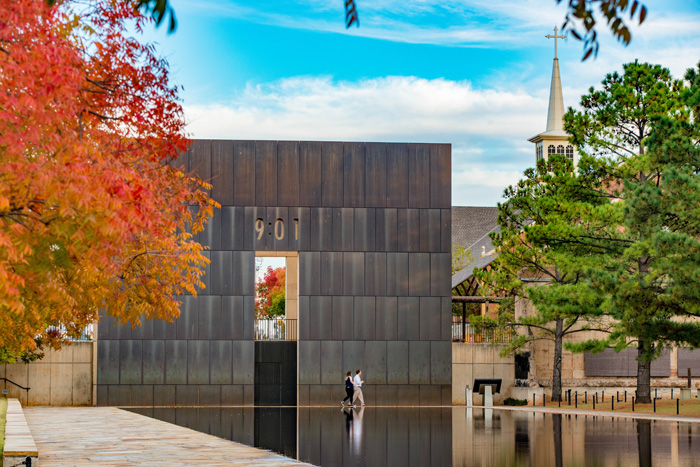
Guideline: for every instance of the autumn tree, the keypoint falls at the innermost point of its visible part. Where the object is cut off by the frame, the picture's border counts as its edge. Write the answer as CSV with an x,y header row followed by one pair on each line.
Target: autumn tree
x,y
93,210
640,126
269,293
549,203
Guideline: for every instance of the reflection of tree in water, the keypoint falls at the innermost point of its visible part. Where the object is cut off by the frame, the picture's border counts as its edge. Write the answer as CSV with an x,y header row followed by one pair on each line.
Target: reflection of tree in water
x,y
556,421
644,442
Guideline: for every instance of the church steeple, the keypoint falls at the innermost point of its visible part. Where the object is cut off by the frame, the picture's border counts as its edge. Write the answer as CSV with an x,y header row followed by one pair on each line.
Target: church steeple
x,y
554,140
555,115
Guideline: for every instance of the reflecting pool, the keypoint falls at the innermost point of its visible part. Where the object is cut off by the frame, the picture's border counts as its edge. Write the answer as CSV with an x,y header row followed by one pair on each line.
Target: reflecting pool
x,y
382,436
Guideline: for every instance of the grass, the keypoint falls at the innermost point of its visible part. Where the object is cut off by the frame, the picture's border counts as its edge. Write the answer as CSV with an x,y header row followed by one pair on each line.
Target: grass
x,y
665,406
3,416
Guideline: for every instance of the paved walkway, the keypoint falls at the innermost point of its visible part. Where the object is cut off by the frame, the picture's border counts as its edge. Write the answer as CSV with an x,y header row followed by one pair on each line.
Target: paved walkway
x,y
108,436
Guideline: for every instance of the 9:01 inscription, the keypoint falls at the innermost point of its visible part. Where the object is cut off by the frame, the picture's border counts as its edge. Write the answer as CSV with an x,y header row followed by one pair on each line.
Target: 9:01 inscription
x,y
278,229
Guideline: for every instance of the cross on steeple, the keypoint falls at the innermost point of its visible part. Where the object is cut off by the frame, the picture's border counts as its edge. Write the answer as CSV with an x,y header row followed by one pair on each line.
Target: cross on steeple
x,y
555,37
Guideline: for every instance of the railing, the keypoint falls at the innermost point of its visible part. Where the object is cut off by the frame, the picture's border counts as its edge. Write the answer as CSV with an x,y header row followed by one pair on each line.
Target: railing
x,y
275,329
464,332
86,335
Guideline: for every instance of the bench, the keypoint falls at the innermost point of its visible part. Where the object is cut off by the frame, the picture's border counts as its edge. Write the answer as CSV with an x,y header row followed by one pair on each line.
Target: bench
x,y
19,443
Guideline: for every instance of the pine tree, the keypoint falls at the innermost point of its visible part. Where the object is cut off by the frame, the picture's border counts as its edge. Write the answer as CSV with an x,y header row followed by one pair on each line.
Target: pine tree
x,y
639,128
533,264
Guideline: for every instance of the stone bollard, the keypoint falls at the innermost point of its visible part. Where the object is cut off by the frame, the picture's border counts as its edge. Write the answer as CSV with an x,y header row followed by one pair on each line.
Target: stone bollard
x,y
685,394
468,396
488,397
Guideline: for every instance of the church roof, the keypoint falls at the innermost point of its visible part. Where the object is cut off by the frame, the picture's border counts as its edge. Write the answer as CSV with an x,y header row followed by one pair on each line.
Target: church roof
x,y
471,226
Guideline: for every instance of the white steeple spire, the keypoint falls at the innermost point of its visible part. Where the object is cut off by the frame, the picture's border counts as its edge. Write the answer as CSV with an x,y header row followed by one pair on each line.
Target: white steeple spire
x,y
554,140
555,115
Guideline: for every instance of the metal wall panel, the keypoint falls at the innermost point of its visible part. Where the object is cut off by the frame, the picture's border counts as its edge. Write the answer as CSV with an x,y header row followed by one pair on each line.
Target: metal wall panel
x,y
446,319
353,355
188,321
144,330
243,362
364,318
375,175
332,174
397,274
108,362
209,326
222,171
343,317
440,176
266,173
408,317
186,395
331,362
303,318
354,175
446,230
153,362
232,228
248,317
429,318
321,229
387,230
164,395
200,159
198,362
323,312
353,274
364,233
331,273
419,274
343,229
211,235
441,362
397,175
288,173
310,180
376,353
418,182
397,362
244,174
176,362
387,325
243,274
375,274
430,396
433,229
419,362
222,272
309,362
221,362
299,229
232,317
440,274
279,224
309,273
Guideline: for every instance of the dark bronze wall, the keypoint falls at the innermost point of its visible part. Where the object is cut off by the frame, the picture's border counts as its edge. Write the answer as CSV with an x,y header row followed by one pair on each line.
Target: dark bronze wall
x,y
371,222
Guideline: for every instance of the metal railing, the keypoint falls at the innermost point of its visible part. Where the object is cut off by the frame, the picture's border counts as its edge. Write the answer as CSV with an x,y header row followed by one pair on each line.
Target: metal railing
x,y
275,329
464,332
86,335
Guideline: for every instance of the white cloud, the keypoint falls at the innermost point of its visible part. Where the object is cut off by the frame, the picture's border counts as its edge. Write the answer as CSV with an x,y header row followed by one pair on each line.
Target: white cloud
x,y
488,128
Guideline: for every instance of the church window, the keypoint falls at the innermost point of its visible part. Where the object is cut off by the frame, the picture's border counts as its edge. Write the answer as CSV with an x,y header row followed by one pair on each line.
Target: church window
x,y
560,149
550,150
570,152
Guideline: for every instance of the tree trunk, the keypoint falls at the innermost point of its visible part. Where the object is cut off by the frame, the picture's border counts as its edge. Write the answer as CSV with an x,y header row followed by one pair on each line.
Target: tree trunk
x,y
643,376
556,371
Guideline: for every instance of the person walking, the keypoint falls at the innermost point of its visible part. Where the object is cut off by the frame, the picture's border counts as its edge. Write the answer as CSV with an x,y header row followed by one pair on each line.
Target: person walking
x,y
357,391
349,386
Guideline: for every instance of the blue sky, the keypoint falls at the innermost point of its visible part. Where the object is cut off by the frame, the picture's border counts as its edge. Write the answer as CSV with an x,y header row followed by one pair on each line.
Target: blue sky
x,y
473,73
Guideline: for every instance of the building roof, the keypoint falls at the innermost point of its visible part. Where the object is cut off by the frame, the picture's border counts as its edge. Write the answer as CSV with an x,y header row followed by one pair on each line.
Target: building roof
x,y
471,227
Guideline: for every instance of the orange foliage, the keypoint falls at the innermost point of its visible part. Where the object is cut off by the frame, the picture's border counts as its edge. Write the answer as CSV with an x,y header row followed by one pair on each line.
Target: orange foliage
x,y
93,211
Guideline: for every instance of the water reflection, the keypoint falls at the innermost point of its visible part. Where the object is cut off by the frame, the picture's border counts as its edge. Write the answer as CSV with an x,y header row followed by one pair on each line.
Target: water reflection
x,y
378,436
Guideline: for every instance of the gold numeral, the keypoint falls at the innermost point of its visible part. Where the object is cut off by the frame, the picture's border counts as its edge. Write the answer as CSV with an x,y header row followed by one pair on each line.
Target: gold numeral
x,y
279,229
259,227
296,229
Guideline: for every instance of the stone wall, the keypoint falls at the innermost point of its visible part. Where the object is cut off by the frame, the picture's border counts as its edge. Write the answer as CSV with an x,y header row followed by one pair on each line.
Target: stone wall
x,y
61,378
470,361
